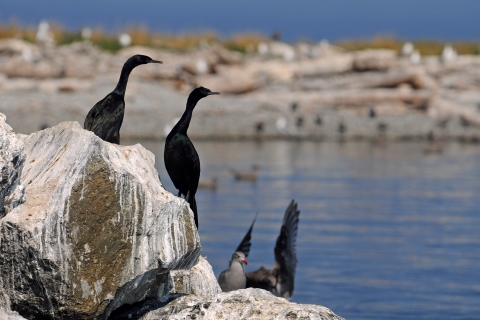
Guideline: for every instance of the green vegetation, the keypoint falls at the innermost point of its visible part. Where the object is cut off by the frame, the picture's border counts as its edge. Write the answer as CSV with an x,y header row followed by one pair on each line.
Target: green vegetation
x,y
243,43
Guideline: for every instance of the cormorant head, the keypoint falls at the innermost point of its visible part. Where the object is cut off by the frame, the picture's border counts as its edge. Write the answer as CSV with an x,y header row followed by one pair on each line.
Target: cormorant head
x,y
139,59
200,93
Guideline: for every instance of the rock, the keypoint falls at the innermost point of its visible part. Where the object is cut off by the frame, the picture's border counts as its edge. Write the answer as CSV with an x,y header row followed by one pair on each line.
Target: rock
x,y
241,304
270,71
200,280
407,49
449,54
227,57
414,77
281,49
443,108
332,64
10,315
352,97
5,312
320,49
97,229
13,47
198,67
65,85
232,80
18,67
374,60
44,35
12,159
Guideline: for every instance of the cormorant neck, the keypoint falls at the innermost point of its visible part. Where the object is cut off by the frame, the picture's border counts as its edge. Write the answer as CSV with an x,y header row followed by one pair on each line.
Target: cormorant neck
x,y
122,82
184,122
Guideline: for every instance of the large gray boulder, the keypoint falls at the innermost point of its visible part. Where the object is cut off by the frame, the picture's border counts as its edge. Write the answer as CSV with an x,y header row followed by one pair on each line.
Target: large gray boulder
x,y
97,229
248,304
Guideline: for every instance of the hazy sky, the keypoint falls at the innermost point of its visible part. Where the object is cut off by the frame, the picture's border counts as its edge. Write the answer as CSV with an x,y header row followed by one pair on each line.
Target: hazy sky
x,y
311,19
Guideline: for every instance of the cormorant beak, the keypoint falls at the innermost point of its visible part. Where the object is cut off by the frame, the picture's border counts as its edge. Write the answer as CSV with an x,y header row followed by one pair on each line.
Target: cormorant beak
x,y
156,61
210,93
244,261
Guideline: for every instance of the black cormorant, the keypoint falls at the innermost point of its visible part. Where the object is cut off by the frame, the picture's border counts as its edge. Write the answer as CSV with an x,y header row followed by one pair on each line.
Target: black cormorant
x,y
181,158
106,116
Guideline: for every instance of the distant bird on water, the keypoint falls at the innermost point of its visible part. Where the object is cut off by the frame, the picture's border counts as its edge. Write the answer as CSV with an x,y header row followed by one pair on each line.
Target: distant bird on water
x,y
181,158
106,116
247,175
208,184
279,280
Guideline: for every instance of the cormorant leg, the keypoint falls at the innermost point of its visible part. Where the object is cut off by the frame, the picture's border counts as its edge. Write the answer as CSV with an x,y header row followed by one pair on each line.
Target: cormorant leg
x,y
179,194
187,196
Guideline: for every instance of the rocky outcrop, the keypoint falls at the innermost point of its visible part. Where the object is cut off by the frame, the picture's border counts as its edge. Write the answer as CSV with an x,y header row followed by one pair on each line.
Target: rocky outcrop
x,y
249,304
97,229
12,158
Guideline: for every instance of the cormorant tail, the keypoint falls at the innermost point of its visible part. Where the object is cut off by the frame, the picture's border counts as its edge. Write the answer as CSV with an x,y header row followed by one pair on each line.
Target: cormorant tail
x,y
193,206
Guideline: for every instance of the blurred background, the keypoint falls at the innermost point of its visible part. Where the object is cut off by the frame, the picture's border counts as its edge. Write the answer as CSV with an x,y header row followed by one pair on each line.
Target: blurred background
x,y
365,112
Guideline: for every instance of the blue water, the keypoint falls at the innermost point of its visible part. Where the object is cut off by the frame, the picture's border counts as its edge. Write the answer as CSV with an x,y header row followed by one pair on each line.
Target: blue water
x,y
384,233
311,19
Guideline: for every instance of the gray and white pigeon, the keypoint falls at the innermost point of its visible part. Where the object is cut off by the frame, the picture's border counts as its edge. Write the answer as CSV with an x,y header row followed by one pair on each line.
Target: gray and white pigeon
x,y
234,277
280,279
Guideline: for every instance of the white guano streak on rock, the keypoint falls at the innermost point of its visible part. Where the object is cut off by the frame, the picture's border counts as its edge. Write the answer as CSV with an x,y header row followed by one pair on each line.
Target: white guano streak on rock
x,y
83,184
132,199
171,231
63,178
129,209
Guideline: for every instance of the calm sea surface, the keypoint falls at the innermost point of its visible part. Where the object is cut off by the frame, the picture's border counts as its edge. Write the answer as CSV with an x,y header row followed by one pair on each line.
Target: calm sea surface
x,y
384,233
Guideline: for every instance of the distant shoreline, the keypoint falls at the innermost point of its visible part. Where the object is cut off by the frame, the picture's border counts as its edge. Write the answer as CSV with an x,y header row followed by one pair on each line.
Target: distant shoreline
x,y
242,42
